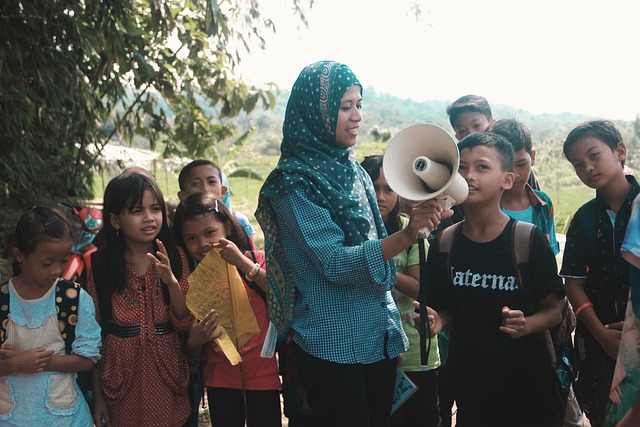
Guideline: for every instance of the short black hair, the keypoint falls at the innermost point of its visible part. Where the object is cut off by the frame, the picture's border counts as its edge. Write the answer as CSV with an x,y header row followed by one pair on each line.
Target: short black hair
x,y
184,173
500,143
37,225
604,130
469,103
517,133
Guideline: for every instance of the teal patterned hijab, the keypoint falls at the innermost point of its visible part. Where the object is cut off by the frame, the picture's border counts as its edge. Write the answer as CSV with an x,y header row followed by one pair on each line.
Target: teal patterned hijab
x,y
312,159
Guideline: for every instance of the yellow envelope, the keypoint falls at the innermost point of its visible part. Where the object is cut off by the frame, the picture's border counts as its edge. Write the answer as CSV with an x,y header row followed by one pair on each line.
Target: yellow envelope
x,y
216,284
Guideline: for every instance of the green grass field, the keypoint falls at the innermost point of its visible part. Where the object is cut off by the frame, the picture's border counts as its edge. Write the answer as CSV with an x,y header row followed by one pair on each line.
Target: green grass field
x,y
245,191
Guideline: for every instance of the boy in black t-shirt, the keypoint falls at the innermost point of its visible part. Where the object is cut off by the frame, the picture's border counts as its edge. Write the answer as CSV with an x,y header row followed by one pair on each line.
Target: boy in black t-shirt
x,y
501,373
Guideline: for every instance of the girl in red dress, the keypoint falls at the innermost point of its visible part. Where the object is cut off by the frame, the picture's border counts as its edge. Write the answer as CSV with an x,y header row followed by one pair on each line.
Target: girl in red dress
x,y
138,283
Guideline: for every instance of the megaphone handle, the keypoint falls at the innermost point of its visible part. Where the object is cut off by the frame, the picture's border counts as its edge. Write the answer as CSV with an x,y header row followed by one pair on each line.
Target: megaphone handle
x,y
447,203
423,233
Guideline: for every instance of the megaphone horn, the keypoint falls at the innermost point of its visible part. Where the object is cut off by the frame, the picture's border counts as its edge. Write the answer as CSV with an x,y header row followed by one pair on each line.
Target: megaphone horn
x,y
421,163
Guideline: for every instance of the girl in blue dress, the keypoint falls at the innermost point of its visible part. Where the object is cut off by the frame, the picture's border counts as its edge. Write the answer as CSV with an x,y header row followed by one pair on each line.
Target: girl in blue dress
x,y
37,375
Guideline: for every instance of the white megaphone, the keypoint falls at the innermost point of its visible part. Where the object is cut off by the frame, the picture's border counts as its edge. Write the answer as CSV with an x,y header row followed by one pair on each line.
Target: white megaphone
x,y
421,163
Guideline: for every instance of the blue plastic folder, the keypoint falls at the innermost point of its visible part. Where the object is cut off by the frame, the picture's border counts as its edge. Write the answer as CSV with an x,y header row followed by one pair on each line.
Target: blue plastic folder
x,y
404,389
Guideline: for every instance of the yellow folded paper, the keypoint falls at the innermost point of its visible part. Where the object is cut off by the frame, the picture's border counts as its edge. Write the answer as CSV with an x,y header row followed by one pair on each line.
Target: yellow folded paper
x,y
216,284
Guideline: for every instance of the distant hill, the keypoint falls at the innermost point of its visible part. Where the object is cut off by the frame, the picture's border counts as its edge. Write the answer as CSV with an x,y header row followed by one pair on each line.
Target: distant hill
x,y
388,112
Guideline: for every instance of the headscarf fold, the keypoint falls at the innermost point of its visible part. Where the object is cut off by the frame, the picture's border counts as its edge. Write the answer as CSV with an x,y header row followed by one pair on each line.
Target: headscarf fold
x,y
312,159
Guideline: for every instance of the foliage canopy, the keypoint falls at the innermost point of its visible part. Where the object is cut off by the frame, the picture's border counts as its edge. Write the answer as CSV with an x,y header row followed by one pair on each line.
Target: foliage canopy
x,y
76,74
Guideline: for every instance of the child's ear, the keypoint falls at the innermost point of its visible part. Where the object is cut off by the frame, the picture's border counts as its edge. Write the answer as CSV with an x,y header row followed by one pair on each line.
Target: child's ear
x,y
227,228
621,151
17,254
223,191
509,179
533,156
182,195
114,220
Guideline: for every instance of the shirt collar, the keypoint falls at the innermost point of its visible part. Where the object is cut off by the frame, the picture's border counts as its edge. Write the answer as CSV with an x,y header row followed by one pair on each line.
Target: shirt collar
x,y
533,197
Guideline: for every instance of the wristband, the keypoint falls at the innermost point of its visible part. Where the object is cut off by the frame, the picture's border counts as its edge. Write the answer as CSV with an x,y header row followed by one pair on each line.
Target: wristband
x,y
254,271
582,307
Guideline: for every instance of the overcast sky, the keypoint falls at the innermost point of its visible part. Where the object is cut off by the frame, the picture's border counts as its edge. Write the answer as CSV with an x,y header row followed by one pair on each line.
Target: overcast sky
x,y
543,56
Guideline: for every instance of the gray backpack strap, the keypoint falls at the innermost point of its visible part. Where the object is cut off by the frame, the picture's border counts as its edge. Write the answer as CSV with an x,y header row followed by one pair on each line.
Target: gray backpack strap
x,y
521,242
445,243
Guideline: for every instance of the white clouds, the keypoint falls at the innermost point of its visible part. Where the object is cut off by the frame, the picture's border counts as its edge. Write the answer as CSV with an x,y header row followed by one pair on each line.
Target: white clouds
x,y
544,56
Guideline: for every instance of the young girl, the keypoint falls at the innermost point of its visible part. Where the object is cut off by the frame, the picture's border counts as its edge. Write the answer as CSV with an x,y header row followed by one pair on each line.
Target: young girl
x,y
37,375
143,376
422,407
251,388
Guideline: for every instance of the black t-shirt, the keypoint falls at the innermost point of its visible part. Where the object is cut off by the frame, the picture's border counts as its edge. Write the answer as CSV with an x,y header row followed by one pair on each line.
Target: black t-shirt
x,y
488,367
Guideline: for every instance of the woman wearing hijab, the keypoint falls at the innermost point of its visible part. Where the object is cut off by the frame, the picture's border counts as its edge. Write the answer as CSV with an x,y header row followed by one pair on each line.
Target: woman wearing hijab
x,y
329,275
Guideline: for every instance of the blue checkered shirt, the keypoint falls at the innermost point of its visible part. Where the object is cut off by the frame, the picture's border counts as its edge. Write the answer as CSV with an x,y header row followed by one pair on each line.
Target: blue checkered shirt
x,y
344,311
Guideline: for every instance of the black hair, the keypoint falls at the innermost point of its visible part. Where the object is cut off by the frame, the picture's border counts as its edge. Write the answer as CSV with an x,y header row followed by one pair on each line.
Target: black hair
x,y
603,130
469,103
184,173
500,143
125,192
372,165
517,133
198,204
37,225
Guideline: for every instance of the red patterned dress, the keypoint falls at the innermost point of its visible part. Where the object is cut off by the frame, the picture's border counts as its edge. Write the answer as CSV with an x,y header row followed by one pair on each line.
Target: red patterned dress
x,y
143,370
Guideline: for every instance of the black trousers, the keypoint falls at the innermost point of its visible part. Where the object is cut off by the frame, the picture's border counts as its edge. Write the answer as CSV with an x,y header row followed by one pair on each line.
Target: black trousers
x,y
357,395
227,407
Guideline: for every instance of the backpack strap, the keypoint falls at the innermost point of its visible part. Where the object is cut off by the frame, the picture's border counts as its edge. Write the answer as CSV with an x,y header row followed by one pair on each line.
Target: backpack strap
x,y
445,243
521,249
67,299
4,311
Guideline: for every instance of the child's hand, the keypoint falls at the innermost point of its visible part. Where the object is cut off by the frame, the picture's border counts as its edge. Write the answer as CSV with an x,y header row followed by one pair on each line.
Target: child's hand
x,y
617,326
29,361
100,412
513,323
163,265
230,252
203,332
609,339
435,321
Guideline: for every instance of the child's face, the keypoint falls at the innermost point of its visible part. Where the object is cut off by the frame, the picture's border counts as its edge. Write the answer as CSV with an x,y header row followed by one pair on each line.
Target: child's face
x,y
142,223
480,166
386,197
349,117
470,122
45,264
201,232
203,179
522,163
595,163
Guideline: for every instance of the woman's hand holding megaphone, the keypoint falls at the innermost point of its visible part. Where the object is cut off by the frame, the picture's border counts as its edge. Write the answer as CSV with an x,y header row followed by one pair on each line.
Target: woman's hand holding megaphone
x,y
425,217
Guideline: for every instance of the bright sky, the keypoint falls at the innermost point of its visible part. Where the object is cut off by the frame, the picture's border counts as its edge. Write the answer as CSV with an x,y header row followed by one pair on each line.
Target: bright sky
x,y
543,56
